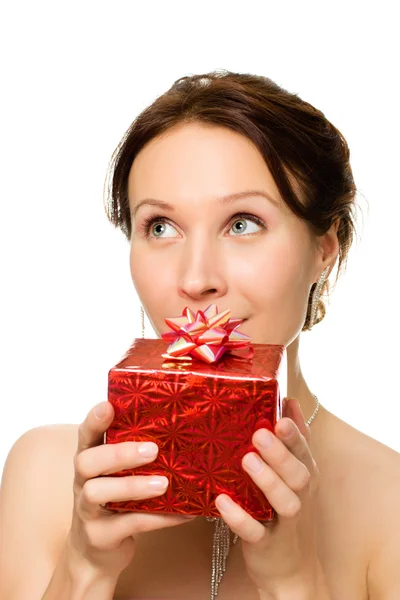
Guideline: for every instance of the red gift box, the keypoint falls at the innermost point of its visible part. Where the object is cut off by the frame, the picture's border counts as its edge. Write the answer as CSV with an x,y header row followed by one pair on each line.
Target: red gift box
x,y
202,417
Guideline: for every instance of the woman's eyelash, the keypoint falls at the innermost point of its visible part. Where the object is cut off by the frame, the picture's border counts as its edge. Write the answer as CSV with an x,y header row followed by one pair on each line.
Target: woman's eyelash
x,y
253,218
149,221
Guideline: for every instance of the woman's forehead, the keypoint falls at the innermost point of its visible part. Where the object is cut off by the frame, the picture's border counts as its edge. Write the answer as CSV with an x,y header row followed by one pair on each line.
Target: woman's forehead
x,y
201,165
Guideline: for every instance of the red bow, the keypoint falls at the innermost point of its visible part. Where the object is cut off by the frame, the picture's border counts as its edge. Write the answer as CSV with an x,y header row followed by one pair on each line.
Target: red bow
x,y
207,336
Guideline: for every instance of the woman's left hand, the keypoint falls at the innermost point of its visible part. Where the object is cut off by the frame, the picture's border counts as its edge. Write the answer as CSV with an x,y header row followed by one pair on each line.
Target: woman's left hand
x,y
280,555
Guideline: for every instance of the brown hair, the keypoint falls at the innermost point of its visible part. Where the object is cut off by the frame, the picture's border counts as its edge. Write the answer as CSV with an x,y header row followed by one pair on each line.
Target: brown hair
x,y
293,137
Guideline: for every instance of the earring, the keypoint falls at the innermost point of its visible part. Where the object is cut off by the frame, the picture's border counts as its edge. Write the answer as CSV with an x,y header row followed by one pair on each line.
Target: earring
x,y
316,296
142,320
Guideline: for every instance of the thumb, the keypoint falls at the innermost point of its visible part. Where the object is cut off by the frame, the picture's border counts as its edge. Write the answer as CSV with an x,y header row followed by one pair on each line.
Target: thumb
x,y
101,409
91,431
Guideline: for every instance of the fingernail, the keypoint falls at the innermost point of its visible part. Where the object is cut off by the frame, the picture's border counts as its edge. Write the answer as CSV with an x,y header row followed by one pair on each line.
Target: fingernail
x,y
147,449
158,482
100,410
265,438
224,503
254,463
288,429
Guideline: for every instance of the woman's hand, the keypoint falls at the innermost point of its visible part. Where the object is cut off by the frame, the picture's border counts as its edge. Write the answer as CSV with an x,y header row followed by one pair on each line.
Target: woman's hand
x,y
103,541
282,554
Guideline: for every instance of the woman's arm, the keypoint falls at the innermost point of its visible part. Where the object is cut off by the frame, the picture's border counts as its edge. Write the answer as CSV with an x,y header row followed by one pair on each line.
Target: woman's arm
x,y
34,500
70,582
383,576
384,568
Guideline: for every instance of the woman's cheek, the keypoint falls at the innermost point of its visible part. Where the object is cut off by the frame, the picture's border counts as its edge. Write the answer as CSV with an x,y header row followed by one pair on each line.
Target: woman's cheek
x,y
154,281
142,271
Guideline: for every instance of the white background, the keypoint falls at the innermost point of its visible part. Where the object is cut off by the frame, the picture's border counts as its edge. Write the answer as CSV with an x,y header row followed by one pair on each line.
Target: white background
x,y
74,76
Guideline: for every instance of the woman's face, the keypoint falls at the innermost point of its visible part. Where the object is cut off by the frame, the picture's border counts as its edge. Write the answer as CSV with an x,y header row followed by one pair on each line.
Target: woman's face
x,y
198,242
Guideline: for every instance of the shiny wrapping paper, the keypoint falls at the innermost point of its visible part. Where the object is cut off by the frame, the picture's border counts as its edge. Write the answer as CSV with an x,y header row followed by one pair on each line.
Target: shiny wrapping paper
x,y
202,417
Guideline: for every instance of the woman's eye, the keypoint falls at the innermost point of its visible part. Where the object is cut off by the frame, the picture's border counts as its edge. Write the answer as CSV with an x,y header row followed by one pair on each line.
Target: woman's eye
x,y
241,226
160,229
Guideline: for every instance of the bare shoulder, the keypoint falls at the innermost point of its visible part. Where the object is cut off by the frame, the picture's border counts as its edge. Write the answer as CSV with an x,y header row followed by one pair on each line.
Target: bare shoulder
x,y
359,496
47,447
52,448
52,444
36,506
367,472
374,460
375,470
60,443
369,467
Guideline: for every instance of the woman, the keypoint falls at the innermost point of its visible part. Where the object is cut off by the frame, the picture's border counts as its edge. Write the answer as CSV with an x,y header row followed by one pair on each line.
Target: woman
x,y
233,191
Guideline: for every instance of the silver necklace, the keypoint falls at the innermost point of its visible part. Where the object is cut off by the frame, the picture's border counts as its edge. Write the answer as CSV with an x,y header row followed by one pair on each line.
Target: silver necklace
x,y
222,537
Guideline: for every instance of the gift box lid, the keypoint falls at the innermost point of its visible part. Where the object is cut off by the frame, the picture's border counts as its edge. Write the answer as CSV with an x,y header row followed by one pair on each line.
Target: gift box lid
x,y
268,362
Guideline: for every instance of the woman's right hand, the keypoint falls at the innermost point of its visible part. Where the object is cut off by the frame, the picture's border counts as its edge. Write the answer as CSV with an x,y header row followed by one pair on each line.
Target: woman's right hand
x,y
101,539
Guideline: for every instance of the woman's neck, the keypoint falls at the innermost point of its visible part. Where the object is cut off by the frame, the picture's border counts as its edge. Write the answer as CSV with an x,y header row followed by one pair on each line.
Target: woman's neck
x,y
296,385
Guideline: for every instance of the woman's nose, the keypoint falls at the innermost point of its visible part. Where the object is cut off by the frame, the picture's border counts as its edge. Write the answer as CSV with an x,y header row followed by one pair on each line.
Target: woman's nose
x,y
201,274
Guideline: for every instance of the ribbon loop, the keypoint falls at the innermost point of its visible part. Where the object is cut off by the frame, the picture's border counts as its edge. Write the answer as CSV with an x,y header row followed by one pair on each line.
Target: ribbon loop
x,y
207,336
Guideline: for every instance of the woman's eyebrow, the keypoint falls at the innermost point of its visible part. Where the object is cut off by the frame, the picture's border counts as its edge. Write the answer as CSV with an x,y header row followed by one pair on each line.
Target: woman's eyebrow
x,y
223,200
